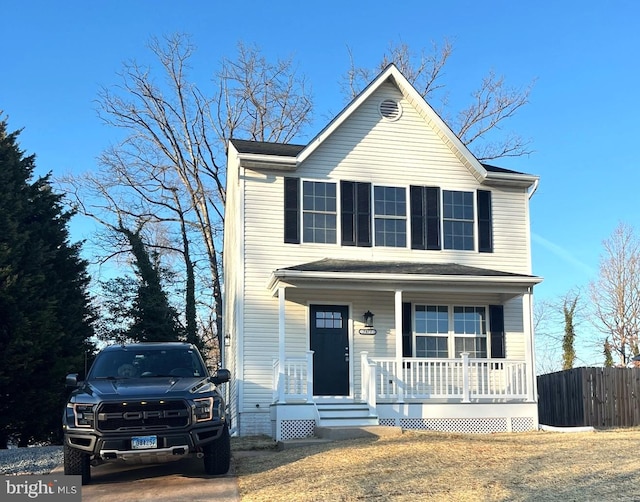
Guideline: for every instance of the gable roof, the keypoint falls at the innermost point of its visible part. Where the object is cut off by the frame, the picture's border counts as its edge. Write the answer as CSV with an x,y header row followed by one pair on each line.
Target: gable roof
x,y
393,75
288,156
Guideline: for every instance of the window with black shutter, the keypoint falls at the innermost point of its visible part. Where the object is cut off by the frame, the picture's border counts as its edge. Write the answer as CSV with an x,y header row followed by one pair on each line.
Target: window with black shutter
x,y
407,331
496,323
355,203
485,230
292,210
425,217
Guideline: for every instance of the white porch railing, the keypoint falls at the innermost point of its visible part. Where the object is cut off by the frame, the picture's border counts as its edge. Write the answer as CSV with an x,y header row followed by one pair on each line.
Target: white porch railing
x,y
465,379
426,378
294,379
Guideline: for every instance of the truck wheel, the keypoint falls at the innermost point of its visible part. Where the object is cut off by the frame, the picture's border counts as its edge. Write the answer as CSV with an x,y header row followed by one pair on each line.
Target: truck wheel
x,y
217,455
76,463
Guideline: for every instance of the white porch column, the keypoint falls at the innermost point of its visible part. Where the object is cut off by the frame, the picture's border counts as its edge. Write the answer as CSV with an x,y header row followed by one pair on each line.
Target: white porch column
x,y
399,369
465,377
527,308
281,351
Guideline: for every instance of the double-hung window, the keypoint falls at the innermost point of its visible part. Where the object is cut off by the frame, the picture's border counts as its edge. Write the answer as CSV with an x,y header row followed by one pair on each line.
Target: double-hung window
x,y
443,332
432,331
470,331
319,214
390,216
458,220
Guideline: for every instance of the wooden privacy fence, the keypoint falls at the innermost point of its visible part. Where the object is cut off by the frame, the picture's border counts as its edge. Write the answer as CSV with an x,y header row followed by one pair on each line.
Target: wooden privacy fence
x,y
600,397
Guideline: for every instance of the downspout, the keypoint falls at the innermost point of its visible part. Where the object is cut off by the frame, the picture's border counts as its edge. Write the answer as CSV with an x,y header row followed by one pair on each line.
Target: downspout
x,y
535,187
533,347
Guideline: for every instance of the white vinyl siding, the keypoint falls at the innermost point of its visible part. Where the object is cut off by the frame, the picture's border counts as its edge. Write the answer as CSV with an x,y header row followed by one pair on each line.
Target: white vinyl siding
x,y
365,148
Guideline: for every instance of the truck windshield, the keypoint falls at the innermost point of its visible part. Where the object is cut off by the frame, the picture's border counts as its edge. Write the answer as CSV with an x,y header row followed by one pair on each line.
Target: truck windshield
x,y
130,362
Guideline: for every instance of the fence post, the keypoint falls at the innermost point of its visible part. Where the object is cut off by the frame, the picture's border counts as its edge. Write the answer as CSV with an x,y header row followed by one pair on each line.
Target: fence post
x,y
465,377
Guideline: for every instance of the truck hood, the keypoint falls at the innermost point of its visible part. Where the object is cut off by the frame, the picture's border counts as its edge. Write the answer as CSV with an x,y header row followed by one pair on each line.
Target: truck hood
x,y
147,387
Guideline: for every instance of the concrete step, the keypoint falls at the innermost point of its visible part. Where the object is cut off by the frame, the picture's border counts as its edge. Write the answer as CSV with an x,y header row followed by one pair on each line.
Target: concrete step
x,y
349,422
346,415
354,432
299,443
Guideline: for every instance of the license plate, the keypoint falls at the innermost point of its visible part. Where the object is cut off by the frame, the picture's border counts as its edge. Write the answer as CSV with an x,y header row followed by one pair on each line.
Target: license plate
x,y
144,442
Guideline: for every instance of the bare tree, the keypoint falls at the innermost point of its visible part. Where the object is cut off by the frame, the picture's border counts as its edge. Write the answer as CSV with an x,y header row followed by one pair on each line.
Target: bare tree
x,y
615,294
260,100
555,325
169,171
479,124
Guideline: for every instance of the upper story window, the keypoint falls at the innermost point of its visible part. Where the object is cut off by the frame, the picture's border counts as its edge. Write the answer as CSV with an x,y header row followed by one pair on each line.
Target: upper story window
x,y
435,219
446,219
390,213
458,220
319,214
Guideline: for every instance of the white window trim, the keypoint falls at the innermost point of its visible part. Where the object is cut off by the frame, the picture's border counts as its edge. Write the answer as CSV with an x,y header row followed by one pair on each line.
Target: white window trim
x,y
337,213
406,218
474,195
451,334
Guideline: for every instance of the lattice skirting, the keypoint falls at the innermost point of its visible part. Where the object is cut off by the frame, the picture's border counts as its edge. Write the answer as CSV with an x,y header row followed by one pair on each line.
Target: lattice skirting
x,y
464,425
297,429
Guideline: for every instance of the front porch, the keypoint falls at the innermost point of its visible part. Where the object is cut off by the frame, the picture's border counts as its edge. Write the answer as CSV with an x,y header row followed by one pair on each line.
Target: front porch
x,y
455,395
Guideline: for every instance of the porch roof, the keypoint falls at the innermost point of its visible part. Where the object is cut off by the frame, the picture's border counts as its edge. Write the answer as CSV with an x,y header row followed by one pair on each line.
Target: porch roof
x,y
398,275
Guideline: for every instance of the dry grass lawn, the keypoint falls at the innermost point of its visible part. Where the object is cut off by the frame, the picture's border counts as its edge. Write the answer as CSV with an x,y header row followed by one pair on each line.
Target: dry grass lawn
x,y
536,466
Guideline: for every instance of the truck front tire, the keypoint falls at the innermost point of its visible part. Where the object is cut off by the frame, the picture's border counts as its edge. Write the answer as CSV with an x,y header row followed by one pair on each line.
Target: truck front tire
x,y
217,455
76,463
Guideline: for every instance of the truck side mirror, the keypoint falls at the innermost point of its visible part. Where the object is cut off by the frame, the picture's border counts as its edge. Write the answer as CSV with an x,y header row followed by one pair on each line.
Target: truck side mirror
x,y
220,376
72,380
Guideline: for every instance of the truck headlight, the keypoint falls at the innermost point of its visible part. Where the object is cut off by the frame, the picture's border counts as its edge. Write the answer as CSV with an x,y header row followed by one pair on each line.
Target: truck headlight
x,y
203,409
83,414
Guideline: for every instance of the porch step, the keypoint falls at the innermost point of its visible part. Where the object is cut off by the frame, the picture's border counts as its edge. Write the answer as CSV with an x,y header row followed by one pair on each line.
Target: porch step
x,y
346,415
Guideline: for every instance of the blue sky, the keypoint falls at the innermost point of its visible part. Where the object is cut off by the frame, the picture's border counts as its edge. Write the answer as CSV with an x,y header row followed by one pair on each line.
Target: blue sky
x,y
581,118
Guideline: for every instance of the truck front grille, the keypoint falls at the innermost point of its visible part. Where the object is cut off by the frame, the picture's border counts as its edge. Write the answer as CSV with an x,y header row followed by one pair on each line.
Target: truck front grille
x,y
143,415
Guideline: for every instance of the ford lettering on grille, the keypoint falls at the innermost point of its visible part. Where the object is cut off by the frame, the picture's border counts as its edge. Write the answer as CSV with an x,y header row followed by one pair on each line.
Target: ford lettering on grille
x,y
143,415
155,415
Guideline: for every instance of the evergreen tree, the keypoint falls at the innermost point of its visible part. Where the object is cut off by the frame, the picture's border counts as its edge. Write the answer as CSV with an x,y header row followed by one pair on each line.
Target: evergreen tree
x,y
138,308
45,313
608,357
155,319
568,340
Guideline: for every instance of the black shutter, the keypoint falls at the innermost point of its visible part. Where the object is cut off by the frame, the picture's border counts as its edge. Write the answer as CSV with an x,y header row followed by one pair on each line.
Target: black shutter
x,y
418,213
348,212
485,230
407,338
292,210
496,323
363,214
425,217
355,210
432,206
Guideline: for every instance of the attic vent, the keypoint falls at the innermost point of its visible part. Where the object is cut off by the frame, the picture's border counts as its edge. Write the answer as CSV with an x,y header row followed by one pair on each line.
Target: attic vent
x,y
390,109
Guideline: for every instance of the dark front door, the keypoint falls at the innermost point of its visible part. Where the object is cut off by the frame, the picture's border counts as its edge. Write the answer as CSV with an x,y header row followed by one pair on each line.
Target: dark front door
x,y
329,340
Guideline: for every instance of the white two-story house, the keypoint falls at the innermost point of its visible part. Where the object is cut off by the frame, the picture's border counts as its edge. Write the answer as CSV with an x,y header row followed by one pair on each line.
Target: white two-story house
x,y
379,274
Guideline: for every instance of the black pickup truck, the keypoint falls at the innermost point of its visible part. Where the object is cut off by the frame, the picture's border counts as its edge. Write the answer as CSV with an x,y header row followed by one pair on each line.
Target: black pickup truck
x,y
146,403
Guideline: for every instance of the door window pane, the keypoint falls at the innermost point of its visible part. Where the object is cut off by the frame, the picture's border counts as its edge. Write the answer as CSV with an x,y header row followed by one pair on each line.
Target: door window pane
x,y
328,320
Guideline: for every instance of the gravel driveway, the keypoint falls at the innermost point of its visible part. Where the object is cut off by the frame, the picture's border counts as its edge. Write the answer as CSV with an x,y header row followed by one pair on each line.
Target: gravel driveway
x,y
33,460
